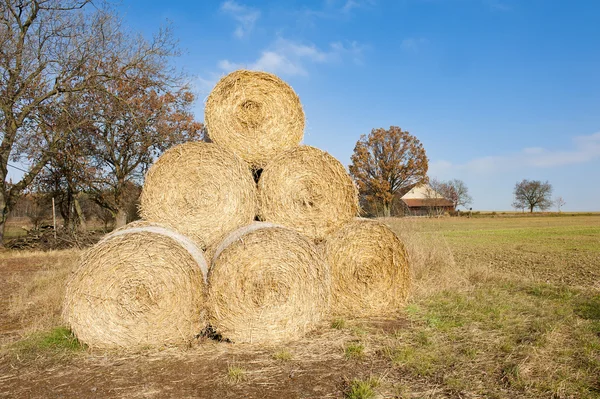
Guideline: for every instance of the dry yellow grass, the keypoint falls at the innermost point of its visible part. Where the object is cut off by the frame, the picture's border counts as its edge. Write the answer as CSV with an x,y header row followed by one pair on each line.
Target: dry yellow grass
x,y
432,265
37,301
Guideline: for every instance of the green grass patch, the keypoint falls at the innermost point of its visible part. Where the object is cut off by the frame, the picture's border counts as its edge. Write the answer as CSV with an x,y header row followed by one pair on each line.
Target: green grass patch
x,y
362,389
522,326
235,374
549,291
354,350
338,324
59,339
589,308
282,355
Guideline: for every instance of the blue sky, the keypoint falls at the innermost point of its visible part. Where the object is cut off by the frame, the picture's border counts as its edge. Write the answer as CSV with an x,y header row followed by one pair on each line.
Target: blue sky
x,y
497,90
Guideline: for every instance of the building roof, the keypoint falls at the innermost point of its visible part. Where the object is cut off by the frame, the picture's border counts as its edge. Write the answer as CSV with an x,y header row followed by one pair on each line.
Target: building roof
x,y
426,202
422,191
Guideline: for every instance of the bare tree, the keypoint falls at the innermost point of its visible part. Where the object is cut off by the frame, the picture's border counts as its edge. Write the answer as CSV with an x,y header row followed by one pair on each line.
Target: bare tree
x,y
532,194
128,125
133,125
560,202
435,197
455,191
50,49
518,206
387,162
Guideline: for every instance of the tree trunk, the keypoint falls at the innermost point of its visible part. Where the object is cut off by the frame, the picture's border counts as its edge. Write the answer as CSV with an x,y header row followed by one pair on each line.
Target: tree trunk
x,y
79,218
4,209
386,210
530,208
120,218
2,226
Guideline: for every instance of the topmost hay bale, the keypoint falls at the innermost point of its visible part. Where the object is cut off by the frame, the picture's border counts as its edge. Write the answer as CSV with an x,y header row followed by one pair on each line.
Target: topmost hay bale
x,y
143,285
308,190
201,190
370,273
255,114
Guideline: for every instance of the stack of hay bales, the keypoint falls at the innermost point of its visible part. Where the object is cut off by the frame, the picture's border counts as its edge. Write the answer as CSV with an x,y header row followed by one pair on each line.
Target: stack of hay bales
x,y
270,281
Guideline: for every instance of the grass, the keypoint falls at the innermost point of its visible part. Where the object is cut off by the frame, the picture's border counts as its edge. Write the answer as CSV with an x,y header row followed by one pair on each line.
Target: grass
x,y
59,340
362,389
235,374
501,308
512,331
589,308
282,355
354,350
338,324
38,299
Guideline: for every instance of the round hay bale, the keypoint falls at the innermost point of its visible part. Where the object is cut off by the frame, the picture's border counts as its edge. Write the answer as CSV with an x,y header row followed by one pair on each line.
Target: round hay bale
x,y
369,269
201,190
269,284
308,190
140,286
255,114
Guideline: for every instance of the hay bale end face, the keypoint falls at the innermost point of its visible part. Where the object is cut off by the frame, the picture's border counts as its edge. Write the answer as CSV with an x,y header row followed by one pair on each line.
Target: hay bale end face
x,y
268,285
138,287
308,190
369,269
254,114
201,190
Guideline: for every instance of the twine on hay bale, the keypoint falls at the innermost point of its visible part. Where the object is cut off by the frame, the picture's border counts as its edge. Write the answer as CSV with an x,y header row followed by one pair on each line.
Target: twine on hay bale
x,y
255,114
269,284
308,190
369,269
201,190
139,286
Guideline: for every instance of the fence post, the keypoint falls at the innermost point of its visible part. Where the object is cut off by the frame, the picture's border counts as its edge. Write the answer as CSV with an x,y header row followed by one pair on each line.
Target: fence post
x,y
54,218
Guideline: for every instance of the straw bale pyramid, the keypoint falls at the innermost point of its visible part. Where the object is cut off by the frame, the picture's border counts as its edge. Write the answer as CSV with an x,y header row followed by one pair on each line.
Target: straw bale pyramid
x,y
199,259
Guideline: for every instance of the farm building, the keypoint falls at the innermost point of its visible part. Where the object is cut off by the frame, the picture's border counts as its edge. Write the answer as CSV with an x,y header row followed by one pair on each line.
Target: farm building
x,y
423,200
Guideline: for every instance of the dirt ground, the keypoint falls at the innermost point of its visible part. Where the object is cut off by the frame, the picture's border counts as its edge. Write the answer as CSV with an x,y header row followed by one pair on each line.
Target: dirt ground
x,y
320,366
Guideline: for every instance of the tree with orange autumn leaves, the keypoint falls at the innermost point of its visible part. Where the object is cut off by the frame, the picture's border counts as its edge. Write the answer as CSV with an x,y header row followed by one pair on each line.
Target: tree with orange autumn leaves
x,y
386,163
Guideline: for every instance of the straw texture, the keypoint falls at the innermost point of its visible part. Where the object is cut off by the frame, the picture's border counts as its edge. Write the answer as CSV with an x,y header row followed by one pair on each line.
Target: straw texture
x,y
308,190
369,269
255,114
137,288
201,190
268,285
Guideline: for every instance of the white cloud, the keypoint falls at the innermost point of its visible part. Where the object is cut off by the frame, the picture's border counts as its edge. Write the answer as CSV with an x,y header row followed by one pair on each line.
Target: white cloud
x,y
335,9
497,5
245,16
287,57
277,63
413,43
202,85
584,149
349,5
